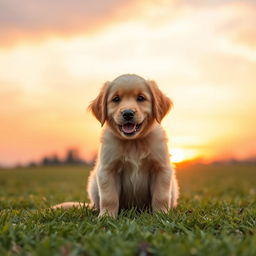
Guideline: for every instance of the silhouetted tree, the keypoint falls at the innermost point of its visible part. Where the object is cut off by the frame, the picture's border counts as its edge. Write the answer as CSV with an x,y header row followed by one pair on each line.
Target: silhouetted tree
x,y
55,160
46,161
72,157
32,164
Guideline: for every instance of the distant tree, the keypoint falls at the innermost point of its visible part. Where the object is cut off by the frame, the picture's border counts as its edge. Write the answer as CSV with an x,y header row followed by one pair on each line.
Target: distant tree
x,y
72,156
55,160
32,164
46,161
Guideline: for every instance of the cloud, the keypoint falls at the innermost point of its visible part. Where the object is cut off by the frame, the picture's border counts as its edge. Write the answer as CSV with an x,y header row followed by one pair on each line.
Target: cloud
x,y
241,28
239,21
36,19
234,23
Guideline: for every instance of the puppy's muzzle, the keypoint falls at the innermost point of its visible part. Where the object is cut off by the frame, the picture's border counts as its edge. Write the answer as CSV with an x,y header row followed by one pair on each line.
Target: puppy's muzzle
x,y
129,126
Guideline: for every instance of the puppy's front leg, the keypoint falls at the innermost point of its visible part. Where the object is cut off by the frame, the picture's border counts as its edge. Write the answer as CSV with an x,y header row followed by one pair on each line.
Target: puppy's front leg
x,y
109,190
160,189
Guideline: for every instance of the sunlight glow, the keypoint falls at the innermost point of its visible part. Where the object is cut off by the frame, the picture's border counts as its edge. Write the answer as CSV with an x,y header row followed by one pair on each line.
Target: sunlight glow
x,y
177,155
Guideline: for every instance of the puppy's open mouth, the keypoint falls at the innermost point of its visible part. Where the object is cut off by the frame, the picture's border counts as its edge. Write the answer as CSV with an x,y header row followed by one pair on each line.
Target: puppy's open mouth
x,y
129,129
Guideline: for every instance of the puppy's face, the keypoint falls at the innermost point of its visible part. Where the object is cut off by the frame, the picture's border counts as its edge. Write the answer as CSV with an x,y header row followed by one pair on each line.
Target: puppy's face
x,y
130,105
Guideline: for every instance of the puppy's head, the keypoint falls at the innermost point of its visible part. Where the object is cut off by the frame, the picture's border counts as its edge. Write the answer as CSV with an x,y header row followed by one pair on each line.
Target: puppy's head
x,y
130,105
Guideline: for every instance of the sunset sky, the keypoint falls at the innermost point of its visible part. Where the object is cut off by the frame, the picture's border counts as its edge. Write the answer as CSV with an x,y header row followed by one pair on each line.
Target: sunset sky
x,y
55,55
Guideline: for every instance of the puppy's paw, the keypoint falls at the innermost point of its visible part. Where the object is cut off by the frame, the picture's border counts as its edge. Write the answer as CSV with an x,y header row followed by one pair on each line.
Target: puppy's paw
x,y
103,213
161,205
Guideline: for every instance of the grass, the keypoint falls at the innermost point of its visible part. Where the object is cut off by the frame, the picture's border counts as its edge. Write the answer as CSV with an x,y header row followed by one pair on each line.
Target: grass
x,y
216,215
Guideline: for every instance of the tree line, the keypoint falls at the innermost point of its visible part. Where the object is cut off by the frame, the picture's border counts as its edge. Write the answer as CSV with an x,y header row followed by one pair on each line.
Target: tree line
x,y
71,158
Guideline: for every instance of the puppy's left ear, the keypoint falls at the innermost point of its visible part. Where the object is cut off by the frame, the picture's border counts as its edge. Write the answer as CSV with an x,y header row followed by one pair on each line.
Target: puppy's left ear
x,y
99,105
161,103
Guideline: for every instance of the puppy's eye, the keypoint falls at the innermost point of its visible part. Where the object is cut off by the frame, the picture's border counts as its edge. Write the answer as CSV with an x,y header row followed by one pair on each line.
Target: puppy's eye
x,y
116,99
141,98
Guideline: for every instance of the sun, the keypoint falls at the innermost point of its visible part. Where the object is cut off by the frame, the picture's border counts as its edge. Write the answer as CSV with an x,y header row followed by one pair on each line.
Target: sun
x,y
177,155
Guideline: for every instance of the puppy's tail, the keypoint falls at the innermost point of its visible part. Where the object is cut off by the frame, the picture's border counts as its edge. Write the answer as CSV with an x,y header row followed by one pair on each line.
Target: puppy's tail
x,y
67,205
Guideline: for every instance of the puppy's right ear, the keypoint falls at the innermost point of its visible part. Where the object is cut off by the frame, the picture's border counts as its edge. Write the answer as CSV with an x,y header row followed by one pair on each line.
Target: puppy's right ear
x,y
99,105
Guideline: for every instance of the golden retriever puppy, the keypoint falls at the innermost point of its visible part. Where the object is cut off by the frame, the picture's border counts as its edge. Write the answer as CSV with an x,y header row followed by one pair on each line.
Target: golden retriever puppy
x,y
133,166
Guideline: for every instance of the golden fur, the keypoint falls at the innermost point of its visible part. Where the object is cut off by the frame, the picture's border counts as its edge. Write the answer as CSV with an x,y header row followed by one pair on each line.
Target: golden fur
x,y
133,166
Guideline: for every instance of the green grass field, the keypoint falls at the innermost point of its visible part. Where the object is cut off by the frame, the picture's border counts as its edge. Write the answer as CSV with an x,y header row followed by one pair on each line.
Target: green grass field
x,y
216,215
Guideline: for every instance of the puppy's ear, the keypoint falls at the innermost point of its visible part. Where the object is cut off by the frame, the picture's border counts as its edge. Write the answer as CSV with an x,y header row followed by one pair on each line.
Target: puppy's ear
x,y
161,103
99,105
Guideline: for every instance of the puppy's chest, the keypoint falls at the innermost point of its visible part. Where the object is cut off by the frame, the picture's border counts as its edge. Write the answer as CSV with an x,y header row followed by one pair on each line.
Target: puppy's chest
x,y
136,166
134,152
135,160
135,172
135,177
132,161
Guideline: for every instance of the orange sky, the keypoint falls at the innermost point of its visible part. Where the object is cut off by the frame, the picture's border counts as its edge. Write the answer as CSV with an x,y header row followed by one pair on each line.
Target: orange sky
x,y
54,57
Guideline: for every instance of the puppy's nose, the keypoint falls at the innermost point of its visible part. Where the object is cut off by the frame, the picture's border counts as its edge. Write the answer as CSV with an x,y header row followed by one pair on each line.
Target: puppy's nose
x,y
128,114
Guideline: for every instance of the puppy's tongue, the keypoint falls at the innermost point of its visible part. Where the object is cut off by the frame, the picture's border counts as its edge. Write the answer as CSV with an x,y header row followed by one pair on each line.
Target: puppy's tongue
x,y
128,128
